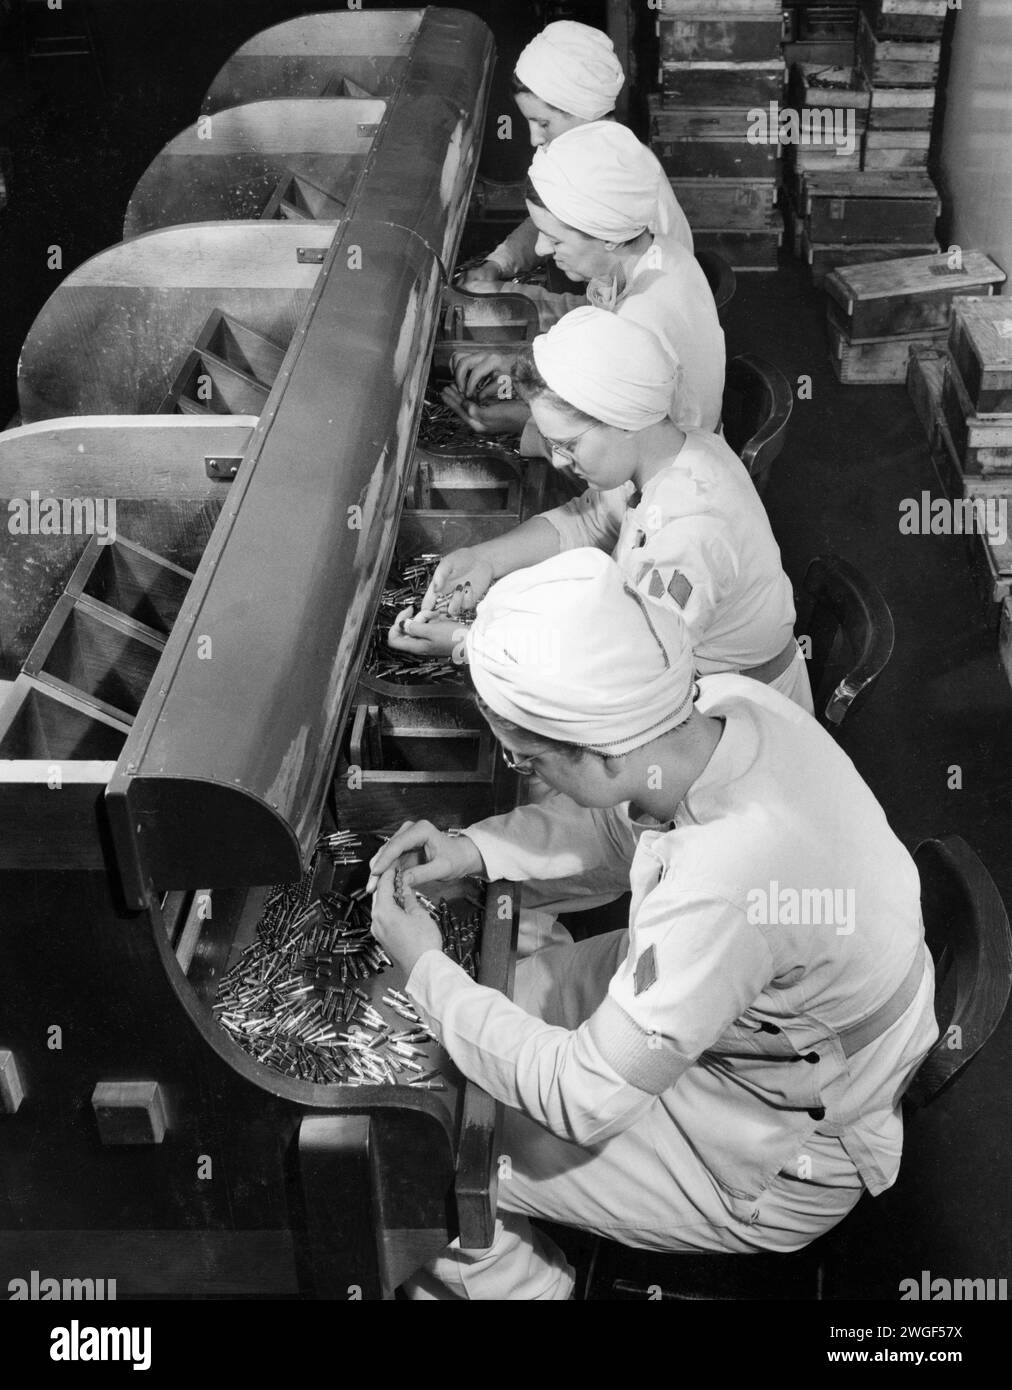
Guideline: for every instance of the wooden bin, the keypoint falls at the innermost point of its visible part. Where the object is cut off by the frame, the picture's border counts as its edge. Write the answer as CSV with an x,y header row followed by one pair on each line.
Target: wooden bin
x,y
704,35
908,19
721,83
694,142
431,758
745,205
980,340
824,257
983,443
895,149
877,362
899,207
911,295
892,62
903,108
67,716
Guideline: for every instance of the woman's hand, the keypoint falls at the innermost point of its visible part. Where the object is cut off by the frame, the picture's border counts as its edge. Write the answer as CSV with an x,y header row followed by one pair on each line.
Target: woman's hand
x,y
473,370
489,272
407,932
430,634
465,574
496,417
446,857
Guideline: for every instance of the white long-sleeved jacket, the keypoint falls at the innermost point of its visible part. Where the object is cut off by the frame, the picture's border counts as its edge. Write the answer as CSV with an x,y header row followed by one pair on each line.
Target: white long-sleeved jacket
x,y
727,1017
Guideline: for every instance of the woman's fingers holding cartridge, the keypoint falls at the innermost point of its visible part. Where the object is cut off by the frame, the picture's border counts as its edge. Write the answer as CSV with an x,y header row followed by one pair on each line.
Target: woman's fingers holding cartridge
x,y
413,835
461,579
430,634
464,409
446,856
407,932
474,370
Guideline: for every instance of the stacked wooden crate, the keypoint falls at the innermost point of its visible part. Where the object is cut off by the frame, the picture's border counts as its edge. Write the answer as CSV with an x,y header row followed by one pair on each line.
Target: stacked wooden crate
x,y
877,313
963,394
826,101
720,60
899,46
866,217
820,31
856,217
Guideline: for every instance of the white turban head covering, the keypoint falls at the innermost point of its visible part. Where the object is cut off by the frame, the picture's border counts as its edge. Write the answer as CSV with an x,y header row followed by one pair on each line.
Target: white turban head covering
x,y
609,367
573,68
569,650
599,179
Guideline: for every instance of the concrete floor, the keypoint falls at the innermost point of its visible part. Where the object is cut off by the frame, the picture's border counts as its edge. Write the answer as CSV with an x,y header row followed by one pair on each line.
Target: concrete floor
x,y
852,454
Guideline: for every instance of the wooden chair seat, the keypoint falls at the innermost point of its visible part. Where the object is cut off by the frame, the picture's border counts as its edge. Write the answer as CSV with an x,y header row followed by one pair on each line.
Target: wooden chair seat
x,y
719,276
840,611
756,408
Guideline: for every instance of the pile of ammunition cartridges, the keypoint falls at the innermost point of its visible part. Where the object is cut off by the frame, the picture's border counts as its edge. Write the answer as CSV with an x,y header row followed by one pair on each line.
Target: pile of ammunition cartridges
x,y
441,429
406,584
294,999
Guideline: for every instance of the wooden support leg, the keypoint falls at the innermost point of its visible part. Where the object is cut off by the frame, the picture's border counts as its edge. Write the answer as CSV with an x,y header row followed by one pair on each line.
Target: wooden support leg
x,y
337,1169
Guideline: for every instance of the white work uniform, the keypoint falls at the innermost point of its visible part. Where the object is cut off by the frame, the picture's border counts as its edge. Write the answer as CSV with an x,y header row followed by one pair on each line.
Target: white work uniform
x,y
718,1076
698,540
666,292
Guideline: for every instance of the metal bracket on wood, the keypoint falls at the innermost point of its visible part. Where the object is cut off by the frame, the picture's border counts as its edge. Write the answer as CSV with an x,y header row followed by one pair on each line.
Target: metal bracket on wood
x,y
223,468
310,255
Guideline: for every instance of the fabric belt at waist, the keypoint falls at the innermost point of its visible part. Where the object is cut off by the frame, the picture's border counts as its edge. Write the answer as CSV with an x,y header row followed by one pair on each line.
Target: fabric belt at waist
x,y
776,666
859,1035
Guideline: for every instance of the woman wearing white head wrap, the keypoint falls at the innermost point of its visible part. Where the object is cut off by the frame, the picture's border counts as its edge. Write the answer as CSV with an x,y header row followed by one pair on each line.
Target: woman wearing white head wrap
x,y
572,67
675,508
566,76
592,195
652,1077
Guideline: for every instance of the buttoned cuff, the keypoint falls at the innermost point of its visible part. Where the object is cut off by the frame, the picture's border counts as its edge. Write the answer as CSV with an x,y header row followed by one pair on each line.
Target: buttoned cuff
x,y
644,1059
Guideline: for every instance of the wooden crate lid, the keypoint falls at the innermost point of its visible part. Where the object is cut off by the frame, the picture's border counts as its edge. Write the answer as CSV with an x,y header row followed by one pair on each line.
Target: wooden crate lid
x,y
770,65
987,323
880,183
708,9
910,275
932,8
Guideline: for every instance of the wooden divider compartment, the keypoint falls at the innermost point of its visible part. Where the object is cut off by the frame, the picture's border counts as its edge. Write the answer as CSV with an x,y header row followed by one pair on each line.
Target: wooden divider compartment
x,y
299,200
39,724
242,348
133,581
207,383
473,322
108,660
432,741
466,483
230,371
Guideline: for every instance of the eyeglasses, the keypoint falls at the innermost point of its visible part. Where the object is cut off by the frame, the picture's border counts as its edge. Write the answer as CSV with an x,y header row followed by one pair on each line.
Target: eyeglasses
x,y
564,447
523,768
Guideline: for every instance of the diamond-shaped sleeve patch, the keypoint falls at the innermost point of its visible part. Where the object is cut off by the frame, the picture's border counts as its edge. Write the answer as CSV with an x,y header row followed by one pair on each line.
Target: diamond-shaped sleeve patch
x,y
656,586
679,588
